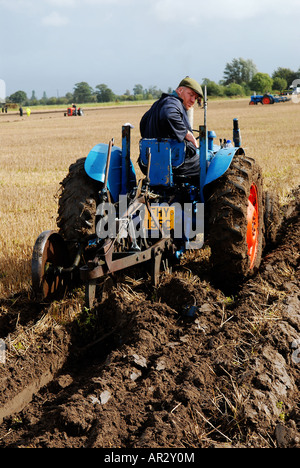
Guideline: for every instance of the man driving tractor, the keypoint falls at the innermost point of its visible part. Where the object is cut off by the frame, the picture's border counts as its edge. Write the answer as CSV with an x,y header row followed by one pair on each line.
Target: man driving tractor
x,y
167,118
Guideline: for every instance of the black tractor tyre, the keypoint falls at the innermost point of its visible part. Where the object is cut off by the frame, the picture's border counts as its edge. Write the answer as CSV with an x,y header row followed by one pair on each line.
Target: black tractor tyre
x,y
267,99
77,206
236,222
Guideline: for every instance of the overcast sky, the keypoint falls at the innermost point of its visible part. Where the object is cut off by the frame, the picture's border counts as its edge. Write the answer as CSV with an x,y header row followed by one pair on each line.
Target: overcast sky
x,y
50,45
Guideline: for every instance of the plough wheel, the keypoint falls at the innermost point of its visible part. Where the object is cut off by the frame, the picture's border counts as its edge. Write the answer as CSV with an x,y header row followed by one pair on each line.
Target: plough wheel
x,y
49,253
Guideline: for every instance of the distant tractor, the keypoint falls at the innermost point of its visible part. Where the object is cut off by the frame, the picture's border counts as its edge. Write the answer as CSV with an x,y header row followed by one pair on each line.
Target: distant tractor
x,y
4,106
267,99
73,111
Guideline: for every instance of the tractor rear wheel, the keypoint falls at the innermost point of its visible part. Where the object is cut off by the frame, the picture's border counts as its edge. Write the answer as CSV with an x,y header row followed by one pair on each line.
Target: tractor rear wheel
x,y
236,222
77,206
267,99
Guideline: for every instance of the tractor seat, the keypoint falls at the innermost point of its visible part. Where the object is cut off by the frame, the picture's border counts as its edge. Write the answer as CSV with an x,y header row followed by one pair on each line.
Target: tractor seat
x,y
166,155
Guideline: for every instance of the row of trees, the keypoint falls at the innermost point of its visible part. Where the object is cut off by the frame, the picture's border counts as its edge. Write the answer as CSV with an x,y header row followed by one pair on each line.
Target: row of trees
x,y
84,93
241,78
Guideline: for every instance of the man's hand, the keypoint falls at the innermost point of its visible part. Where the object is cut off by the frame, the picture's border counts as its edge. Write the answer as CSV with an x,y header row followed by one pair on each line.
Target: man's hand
x,y
190,137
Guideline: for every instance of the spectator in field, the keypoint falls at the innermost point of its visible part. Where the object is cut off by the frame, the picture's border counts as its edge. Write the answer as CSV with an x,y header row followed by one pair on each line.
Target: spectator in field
x,y
167,118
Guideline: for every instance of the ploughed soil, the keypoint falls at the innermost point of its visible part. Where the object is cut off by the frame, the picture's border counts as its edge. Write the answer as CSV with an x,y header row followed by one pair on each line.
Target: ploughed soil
x,y
183,365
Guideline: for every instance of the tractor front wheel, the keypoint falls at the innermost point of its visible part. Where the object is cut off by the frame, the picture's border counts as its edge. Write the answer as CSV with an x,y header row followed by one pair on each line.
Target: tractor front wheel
x,y
236,222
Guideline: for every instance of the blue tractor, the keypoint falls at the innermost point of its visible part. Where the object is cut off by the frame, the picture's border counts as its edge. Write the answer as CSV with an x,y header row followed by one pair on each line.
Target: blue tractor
x,y
267,99
109,221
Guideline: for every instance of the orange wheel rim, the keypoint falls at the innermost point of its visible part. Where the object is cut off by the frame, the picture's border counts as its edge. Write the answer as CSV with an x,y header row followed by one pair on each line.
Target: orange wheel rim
x,y
266,100
252,225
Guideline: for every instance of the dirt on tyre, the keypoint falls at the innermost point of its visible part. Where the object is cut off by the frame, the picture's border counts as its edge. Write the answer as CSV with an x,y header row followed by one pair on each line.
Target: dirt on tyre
x,y
236,222
77,205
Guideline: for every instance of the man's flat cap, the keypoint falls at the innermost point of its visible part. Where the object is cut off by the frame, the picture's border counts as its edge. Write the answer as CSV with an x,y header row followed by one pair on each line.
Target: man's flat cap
x,y
190,83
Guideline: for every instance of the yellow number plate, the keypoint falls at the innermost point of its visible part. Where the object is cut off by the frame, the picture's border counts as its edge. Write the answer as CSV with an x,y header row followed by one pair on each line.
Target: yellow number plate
x,y
164,215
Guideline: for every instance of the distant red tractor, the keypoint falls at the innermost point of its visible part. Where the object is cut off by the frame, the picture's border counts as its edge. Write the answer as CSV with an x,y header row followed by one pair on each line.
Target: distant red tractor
x,y
73,111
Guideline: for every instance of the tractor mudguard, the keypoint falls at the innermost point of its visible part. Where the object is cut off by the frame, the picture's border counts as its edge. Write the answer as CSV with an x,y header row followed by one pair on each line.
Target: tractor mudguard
x,y
95,166
220,163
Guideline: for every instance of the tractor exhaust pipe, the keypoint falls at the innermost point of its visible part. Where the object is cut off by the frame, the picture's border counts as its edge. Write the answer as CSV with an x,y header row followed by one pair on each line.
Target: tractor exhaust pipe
x,y
203,145
236,133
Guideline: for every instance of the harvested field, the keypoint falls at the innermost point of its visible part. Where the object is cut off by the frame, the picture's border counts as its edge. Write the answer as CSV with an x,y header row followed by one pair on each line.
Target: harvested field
x,y
139,373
